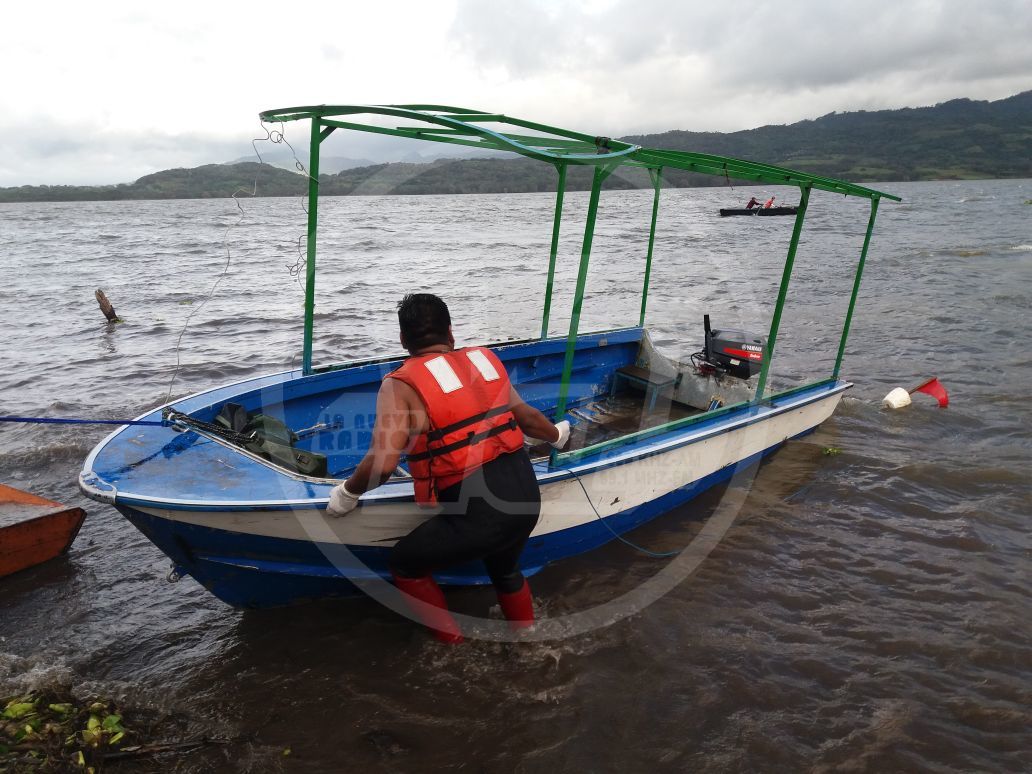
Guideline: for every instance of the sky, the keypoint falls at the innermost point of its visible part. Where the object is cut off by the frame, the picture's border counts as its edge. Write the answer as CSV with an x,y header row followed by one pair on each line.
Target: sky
x,y
105,92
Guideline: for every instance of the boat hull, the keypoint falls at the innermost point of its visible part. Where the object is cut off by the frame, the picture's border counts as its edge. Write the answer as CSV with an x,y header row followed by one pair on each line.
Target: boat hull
x,y
269,556
33,529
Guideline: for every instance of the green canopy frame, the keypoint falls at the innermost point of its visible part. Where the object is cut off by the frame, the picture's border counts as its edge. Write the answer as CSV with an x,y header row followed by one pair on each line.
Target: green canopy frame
x,y
564,148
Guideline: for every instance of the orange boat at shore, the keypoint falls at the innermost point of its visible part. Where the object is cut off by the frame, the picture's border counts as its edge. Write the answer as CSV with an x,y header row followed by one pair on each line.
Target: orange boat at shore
x,y
33,529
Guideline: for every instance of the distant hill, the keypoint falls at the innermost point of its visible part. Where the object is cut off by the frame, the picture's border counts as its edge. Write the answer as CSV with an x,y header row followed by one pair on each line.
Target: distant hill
x,y
329,165
959,139
207,182
953,140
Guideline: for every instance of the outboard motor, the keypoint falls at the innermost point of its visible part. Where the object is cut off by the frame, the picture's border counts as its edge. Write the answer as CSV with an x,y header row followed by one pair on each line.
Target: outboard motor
x,y
734,352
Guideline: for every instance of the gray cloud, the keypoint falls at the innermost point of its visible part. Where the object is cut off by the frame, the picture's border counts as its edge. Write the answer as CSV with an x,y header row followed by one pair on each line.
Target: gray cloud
x,y
525,38
605,67
785,61
42,152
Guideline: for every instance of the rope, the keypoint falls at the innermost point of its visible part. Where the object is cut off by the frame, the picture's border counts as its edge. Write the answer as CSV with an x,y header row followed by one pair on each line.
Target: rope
x,y
273,136
278,137
71,421
298,268
212,428
617,535
218,280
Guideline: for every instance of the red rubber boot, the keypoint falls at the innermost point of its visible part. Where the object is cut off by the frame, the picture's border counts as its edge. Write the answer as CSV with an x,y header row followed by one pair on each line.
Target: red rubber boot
x,y
437,619
518,607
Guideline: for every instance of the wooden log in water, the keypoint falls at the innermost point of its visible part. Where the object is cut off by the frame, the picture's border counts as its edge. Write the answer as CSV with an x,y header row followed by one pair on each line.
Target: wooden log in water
x,y
105,306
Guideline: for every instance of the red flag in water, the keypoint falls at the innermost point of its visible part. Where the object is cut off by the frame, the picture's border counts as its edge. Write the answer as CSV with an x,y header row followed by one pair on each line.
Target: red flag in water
x,y
934,388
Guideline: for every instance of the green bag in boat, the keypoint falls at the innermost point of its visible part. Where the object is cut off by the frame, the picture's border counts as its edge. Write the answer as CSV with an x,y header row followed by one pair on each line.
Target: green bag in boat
x,y
286,456
273,440
270,428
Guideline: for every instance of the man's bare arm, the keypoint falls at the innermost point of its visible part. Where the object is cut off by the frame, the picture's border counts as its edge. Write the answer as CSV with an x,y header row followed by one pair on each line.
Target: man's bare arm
x,y
531,421
392,436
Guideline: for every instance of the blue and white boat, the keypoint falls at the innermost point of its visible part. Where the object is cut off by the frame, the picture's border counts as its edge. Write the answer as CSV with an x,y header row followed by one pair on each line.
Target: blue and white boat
x,y
650,432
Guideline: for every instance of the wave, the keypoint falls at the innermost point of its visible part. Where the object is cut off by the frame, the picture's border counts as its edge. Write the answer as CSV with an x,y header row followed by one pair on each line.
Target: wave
x,y
39,457
19,674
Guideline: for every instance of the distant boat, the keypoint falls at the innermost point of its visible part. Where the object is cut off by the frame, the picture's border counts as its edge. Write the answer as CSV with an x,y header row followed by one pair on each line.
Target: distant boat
x,y
761,211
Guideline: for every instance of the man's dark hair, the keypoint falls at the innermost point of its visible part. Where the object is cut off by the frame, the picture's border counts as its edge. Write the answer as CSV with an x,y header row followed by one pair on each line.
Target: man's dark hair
x,y
424,320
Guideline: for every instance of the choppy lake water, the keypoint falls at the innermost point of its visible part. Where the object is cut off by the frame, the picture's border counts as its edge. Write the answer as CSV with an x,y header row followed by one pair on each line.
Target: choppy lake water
x,y
867,611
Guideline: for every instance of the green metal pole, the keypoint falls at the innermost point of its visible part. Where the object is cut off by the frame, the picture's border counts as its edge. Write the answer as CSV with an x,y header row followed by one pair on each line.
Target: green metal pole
x,y
313,221
578,294
656,175
856,288
560,190
786,275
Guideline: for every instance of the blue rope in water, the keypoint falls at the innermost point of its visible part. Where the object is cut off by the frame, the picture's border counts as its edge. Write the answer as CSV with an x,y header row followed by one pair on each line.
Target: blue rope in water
x,y
617,535
70,421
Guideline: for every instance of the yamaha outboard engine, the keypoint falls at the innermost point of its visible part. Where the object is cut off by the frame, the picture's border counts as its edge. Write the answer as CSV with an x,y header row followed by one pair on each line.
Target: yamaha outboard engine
x,y
735,352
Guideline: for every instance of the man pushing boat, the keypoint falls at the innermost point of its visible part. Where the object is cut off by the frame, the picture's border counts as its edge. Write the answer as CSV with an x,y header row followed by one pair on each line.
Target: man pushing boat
x,y
461,424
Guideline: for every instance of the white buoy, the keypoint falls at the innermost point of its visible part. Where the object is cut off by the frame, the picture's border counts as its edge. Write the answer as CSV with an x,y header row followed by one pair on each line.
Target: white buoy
x,y
898,398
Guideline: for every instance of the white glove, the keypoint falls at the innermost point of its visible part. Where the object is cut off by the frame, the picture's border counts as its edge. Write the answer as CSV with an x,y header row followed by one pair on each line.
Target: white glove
x,y
564,434
342,502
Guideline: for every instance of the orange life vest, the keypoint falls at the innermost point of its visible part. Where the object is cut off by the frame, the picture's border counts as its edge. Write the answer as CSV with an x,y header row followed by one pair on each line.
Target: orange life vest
x,y
466,395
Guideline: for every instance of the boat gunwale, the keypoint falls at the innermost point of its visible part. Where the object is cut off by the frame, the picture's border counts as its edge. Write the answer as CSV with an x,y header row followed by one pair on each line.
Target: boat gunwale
x,y
295,374
747,414
321,371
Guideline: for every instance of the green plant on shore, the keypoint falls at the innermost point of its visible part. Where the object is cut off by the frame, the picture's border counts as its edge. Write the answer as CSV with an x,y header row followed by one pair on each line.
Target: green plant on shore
x,y
41,731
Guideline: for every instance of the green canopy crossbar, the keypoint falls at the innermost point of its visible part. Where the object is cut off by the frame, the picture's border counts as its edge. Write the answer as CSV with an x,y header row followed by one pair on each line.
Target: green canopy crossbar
x,y
564,148
466,122
749,170
554,144
492,139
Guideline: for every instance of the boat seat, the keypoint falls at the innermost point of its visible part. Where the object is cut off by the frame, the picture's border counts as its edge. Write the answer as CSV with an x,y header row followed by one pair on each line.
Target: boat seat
x,y
649,381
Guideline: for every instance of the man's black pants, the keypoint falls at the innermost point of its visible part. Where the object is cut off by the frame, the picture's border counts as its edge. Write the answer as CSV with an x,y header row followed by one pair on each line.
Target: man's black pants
x,y
488,515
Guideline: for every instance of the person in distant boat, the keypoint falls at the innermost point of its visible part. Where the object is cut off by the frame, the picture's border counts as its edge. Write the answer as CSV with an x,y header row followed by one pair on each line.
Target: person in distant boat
x,y
461,423
769,204
753,202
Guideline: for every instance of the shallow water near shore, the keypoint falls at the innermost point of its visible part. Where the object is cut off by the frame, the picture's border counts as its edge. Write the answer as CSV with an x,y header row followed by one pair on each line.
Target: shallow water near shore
x,y
868,610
